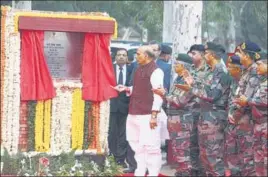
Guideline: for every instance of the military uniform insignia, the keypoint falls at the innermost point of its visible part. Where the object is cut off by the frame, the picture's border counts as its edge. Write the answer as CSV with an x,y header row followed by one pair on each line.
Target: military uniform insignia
x,y
209,79
257,56
243,46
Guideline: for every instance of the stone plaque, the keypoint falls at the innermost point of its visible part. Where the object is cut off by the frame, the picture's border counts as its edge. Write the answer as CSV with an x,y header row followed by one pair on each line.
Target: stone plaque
x,y
63,53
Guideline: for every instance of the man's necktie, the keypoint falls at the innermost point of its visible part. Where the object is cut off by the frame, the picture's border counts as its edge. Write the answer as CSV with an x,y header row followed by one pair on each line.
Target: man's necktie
x,y
120,79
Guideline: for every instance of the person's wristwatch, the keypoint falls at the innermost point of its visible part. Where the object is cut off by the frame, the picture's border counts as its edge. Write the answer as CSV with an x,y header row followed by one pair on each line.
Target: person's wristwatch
x,y
154,116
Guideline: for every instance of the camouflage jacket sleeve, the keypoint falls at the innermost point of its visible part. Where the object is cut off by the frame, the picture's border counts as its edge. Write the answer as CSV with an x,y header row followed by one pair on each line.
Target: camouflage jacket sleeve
x,y
251,88
213,92
260,97
231,105
252,85
180,100
178,97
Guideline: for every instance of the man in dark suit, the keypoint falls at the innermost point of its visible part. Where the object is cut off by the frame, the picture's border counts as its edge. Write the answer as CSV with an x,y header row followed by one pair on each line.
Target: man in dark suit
x,y
117,142
162,63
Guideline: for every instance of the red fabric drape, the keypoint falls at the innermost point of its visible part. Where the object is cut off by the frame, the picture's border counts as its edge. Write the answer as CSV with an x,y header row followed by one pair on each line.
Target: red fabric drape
x,y
97,69
36,82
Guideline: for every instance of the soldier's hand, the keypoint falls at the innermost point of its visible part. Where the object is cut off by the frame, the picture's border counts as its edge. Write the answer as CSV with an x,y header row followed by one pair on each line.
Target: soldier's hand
x,y
231,119
169,98
242,101
153,123
188,77
184,87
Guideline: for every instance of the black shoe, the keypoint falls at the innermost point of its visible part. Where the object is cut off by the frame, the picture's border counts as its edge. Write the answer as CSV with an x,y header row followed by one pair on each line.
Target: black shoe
x,y
180,174
147,172
123,164
129,170
194,172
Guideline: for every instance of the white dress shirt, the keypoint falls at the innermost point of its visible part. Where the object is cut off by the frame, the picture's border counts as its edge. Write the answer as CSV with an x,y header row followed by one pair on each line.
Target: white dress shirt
x,y
124,70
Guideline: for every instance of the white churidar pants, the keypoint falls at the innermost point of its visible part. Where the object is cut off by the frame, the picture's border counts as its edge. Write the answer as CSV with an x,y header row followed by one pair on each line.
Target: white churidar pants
x,y
146,143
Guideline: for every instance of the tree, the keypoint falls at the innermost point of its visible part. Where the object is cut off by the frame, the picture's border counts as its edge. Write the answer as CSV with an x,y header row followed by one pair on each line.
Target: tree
x,y
235,21
134,15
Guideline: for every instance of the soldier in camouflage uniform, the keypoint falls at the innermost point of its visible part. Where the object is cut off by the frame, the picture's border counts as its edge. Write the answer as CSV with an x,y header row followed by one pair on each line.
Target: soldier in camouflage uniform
x,y
200,71
213,97
233,129
248,52
181,120
258,104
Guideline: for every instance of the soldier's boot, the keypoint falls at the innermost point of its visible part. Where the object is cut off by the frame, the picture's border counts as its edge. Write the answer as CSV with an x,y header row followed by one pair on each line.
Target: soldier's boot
x,y
194,172
201,172
236,174
180,174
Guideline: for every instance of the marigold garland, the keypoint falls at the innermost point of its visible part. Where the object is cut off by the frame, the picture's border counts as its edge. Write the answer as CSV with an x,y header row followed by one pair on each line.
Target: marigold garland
x,y
96,114
3,57
86,17
104,125
78,106
42,125
61,116
47,121
91,123
87,119
39,125
11,86
97,125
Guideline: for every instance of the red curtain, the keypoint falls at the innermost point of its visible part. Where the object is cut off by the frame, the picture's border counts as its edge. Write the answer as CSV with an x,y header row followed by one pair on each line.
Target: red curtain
x,y
36,82
97,69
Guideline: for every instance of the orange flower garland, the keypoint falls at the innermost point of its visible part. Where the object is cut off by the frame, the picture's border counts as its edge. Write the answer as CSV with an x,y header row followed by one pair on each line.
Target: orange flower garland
x,y
96,114
98,128
3,57
93,143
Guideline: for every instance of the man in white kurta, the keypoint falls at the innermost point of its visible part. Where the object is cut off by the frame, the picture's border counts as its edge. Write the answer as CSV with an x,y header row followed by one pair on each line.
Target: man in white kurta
x,y
143,123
